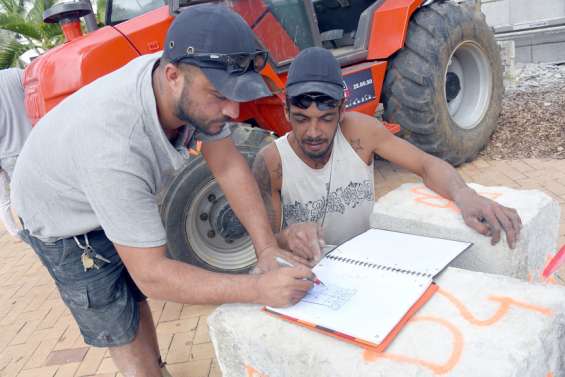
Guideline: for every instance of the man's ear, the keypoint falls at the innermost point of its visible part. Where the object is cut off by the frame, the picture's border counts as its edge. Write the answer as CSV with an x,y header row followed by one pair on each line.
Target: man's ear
x,y
174,77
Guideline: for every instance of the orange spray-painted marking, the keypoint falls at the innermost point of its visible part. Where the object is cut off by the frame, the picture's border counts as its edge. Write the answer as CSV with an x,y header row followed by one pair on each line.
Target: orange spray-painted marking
x,y
252,372
431,199
436,368
540,274
505,303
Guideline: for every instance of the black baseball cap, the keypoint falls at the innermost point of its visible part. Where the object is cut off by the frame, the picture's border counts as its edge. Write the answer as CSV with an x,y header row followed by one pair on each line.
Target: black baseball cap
x,y
315,70
213,28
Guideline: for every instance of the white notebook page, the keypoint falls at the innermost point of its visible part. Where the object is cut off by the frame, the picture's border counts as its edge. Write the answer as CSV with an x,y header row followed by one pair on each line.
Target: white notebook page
x,y
401,250
359,301
368,300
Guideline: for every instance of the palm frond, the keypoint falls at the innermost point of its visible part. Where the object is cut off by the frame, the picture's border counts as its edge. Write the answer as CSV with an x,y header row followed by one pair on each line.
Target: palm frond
x,y
11,6
50,30
10,52
35,14
31,31
17,24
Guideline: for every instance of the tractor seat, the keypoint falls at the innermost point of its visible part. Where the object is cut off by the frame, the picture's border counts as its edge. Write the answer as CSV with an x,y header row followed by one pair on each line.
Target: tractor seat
x,y
337,38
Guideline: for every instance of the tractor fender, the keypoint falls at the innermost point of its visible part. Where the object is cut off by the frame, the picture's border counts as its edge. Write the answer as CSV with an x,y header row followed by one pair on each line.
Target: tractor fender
x,y
65,69
389,27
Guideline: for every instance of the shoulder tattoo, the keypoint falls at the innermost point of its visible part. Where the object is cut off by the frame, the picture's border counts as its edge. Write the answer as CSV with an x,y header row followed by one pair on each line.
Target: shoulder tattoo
x,y
356,145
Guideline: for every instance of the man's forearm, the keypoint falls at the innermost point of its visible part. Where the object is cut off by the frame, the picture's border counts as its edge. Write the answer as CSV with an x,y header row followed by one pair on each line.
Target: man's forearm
x,y
171,280
442,178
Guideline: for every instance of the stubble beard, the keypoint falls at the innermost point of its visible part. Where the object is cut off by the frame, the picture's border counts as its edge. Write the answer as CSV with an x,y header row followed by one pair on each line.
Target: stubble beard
x,y
190,118
320,156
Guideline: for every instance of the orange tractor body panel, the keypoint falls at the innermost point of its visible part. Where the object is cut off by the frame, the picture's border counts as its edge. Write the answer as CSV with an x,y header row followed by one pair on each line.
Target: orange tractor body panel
x,y
147,32
54,76
389,27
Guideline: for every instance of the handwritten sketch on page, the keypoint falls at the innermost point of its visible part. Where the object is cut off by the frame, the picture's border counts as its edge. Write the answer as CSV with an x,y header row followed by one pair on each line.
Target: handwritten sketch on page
x,y
332,296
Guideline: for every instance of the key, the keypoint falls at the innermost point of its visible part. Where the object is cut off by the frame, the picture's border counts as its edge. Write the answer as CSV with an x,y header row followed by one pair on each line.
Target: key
x,y
90,258
99,260
99,257
87,261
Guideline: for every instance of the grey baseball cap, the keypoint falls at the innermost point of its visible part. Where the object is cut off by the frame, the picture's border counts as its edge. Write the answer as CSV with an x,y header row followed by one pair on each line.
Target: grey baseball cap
x,y
215,29
315,70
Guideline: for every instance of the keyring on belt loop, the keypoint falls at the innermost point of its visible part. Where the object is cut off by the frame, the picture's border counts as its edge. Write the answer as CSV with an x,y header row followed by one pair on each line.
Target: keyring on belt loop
x,y
86,243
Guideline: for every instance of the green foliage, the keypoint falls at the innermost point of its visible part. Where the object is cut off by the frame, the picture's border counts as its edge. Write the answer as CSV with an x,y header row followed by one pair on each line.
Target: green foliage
x,y
9,52
26,28
101,11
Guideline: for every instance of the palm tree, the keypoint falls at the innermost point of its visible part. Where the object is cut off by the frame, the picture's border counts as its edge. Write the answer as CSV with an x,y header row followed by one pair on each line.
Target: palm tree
x,y
26,30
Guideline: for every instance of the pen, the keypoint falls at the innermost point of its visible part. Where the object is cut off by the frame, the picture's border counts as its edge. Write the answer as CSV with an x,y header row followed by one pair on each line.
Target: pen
x,y
328,248
284,263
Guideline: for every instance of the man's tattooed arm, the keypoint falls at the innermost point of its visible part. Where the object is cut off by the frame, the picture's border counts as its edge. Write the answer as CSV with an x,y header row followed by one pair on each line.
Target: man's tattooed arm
x,y
263,178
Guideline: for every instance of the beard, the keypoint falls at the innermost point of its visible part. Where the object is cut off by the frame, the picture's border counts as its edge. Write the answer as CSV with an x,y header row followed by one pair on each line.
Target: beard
x,y
321,154
189,114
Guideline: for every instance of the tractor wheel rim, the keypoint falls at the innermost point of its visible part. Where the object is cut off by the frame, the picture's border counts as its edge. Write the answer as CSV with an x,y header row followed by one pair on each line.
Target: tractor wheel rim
x,y
468,85
204,232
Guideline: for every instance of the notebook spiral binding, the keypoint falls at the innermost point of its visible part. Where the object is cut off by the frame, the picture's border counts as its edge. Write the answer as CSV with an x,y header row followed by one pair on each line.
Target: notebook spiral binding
x,y
377,266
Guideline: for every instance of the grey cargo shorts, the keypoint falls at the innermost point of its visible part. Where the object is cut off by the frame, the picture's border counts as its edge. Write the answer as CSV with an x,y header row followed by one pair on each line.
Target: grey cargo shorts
x,y
105,301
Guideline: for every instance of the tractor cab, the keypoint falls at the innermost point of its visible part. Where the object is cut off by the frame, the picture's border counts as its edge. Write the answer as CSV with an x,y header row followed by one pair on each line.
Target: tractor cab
x,y
283,27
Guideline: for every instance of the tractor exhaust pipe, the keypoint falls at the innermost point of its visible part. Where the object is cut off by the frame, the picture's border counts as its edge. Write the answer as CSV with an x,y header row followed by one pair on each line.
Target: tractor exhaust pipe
x,y
68,15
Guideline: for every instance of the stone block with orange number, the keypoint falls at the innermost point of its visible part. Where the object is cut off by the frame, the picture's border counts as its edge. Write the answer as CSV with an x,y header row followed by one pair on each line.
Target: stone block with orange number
x,y
413,208
477,324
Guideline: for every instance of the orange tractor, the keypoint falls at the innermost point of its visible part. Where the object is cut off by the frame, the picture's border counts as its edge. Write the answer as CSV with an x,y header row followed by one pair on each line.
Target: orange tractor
x,y
433,65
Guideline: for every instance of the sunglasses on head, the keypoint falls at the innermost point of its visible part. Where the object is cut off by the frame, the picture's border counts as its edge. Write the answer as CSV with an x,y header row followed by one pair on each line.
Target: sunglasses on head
x,y
239,62
323,102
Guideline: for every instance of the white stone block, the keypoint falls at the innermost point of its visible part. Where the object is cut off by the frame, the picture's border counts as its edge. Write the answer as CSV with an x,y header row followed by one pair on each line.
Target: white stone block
x,y
413,208
476,325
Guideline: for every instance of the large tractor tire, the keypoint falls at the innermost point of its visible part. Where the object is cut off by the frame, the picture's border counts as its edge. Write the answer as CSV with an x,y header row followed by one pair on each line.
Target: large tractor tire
x,y
444,87
201,227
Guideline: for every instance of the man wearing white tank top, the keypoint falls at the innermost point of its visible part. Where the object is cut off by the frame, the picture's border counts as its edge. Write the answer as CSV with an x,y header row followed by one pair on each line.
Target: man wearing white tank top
x,y
317,181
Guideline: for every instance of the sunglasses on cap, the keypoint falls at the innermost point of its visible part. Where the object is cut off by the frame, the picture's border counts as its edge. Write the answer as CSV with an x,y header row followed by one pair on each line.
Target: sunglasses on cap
x,y
323,102
239,62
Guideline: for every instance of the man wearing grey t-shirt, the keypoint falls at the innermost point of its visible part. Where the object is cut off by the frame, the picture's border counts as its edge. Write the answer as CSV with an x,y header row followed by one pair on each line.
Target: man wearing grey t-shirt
x,y
86,182
14,129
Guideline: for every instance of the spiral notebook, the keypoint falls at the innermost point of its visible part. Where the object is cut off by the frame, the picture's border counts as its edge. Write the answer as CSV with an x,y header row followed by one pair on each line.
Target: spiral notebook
x,y
374,283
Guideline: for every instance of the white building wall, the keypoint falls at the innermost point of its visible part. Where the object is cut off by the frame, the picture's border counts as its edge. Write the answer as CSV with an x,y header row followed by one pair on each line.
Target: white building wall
x,y
523,13
537,27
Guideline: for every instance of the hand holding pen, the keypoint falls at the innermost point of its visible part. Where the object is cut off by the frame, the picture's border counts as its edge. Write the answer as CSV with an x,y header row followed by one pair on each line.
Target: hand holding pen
x,y
282,287
284,263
